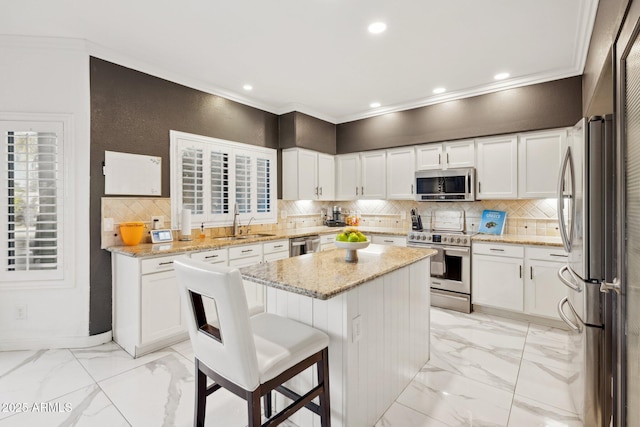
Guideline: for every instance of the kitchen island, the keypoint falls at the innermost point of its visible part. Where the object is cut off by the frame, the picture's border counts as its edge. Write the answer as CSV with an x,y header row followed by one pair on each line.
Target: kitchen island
x,y
376,313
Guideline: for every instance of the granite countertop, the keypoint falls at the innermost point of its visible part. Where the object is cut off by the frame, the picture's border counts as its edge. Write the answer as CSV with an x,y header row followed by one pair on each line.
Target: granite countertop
x,y
210,243
519,239
323,275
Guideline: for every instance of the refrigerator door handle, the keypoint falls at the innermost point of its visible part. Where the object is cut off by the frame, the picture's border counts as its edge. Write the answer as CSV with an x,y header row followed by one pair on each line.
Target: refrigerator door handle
x,y
571,285
567,162
606,287
574,326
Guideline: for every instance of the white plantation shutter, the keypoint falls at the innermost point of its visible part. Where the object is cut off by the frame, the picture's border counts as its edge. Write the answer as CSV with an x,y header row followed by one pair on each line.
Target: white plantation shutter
x,y
192,162
31,196
243,183
219,183
264,183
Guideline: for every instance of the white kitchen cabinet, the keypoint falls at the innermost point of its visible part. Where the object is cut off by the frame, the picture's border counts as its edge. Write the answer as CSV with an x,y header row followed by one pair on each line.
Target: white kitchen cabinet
x,y
307,175
497,167
244,256
347,176
374,171
446,155
543,289
389,240
327,241
275,250
215,256
496,275
401,173
361,176
539,157
147,312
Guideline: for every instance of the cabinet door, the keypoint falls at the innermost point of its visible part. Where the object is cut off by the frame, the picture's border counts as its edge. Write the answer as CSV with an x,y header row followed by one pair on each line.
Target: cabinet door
x,y
543,289
389,240
539,156
401,174
497,167
307,175
161,310
429,157
497,282
374,180
347,176
326,177
459,154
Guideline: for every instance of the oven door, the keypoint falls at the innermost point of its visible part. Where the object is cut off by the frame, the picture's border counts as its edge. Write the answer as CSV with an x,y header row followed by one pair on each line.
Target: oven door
x,y
450,269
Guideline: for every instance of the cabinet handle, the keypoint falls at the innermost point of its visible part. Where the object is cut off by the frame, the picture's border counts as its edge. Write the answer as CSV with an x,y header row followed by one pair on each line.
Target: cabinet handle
x,y
479,187
411,188
356,191
388,241
211,256
521,271
362,191
166,263
559,255
496,250
278,246
531,273
439,159
321,191
316,191
447,158
247,250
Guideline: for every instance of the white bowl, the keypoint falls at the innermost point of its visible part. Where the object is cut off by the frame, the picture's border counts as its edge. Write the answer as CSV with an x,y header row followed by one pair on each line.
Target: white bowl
x,y
352,245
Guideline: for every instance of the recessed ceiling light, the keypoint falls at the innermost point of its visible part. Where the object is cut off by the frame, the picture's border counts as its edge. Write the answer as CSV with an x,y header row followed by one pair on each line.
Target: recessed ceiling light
x,y
439,90
377,27
247,87
374,105
501,76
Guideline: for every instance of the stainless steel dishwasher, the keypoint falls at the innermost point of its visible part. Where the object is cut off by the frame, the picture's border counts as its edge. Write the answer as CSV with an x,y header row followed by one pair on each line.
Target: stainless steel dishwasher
x,y
304,245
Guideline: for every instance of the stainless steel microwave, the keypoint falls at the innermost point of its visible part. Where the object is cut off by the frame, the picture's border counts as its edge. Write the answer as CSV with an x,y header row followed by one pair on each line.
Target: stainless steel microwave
x,y
446,185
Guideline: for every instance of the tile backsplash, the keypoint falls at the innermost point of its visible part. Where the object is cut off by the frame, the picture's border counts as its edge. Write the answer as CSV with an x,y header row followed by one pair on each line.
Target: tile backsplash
x,y
526,217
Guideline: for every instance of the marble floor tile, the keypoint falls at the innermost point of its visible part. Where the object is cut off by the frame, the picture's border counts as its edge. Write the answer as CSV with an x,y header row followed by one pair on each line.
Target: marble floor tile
x,y
39,376
107,360
550,346
87,407
547,384
161,393
185,349
456,400
401,416
529,413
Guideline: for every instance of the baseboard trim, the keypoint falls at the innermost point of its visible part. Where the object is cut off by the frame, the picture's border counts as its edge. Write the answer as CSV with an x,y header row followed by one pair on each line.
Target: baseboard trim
x,y
56,342
543,321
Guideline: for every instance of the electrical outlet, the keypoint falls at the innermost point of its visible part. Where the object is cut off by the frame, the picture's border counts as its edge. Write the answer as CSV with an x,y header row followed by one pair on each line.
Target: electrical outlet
x,y
107,224
160,221
21,312
357,328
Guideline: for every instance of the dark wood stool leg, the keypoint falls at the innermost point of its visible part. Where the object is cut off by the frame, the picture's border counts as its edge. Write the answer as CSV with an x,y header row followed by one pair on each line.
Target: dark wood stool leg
x,y
266,400
323,377
253,406
201,396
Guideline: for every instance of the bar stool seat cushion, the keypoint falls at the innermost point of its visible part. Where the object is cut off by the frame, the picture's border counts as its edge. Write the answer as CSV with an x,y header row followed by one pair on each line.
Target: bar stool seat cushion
x,y
282,343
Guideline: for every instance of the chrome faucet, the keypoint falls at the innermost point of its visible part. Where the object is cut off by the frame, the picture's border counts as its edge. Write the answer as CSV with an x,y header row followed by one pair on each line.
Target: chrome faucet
x,y
235,219
248,227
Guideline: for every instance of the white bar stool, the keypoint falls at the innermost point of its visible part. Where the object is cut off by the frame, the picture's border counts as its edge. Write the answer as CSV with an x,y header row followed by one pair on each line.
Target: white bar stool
x,y
249,356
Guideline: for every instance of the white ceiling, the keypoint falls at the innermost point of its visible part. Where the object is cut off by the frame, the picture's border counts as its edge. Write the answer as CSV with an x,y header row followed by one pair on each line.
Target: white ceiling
x,y
316,56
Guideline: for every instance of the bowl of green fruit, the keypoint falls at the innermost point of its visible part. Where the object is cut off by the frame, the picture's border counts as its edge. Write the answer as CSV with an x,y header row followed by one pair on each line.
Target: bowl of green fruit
x,y
351,239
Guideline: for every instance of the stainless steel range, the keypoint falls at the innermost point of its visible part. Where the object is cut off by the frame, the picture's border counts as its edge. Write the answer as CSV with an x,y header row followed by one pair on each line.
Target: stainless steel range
x,y
450,267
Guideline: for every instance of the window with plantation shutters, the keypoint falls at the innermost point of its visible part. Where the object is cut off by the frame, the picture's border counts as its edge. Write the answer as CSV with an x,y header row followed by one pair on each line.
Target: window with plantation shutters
x,y
31,201
210,176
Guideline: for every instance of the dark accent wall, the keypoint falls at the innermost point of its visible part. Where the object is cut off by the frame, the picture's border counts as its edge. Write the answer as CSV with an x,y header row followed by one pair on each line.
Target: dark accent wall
x,y
542,106
133,112
304,131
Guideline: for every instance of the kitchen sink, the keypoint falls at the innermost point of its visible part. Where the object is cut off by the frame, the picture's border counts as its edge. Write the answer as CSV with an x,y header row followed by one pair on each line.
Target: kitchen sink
x,y
243,236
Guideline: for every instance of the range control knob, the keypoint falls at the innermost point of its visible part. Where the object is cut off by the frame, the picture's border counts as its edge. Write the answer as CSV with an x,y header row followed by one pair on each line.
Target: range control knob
x,y
465,240
412,236
424,237
458,240
444,239
429,237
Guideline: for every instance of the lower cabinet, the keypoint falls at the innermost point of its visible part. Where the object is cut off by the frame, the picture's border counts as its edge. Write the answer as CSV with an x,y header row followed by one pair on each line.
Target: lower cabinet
x,y
327,241
380,239
517,278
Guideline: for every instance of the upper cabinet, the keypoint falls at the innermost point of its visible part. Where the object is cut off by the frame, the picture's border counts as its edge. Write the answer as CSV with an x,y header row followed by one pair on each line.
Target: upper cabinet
x,y
497,167
307,175
539,156
361,176
401,173
523,166
446,155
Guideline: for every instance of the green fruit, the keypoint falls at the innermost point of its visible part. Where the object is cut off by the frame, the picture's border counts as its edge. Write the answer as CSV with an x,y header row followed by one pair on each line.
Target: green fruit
x,y
362,238
353,237
342,237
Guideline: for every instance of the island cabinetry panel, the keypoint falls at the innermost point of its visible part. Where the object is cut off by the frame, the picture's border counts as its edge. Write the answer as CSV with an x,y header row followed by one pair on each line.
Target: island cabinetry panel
x,y
147,314
379,339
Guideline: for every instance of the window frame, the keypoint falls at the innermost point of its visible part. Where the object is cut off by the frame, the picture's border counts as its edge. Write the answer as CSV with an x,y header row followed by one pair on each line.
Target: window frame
x,y
182,140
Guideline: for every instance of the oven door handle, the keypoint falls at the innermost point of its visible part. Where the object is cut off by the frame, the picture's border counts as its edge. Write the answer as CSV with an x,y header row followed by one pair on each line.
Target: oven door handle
x,y
453,249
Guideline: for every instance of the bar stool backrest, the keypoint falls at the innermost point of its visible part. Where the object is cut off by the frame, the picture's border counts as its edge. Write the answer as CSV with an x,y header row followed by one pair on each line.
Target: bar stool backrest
x,y
230,349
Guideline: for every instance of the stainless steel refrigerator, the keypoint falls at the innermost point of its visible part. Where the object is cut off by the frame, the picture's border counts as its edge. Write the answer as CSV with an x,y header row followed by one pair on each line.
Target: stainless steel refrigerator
x,y
586,213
